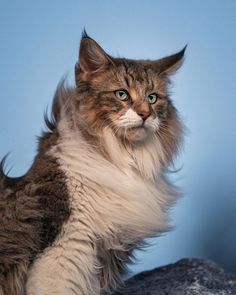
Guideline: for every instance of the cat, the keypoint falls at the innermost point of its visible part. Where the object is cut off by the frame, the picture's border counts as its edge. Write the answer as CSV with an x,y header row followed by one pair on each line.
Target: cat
x,y
98,185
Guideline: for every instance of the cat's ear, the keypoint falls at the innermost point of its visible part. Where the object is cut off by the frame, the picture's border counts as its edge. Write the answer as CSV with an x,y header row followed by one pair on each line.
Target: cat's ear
x,y
170,64
93,59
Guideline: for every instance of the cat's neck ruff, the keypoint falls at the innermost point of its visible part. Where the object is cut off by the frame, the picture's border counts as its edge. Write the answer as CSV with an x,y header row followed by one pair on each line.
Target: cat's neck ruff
x,y
143,157
131,193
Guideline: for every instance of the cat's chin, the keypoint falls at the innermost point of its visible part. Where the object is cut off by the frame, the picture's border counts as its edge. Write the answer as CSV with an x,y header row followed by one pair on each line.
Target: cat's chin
x,y
137,134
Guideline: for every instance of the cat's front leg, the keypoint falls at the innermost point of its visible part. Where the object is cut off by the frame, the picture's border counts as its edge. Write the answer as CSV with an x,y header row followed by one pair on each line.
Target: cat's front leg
x,y
113,266
58,272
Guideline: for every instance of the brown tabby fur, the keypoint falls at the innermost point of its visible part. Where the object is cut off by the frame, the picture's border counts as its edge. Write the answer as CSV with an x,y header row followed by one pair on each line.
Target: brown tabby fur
x,y
32,211
34,207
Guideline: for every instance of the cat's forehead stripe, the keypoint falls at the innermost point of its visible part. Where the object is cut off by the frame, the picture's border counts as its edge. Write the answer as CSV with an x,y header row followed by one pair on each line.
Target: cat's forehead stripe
x,y
134,94
132,77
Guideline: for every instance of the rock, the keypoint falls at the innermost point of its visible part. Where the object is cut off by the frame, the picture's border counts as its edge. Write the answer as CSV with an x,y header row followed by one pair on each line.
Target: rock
x,y
185,277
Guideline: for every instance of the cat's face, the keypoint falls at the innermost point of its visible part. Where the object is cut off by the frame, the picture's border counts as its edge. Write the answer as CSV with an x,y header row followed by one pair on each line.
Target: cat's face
x,y
128,96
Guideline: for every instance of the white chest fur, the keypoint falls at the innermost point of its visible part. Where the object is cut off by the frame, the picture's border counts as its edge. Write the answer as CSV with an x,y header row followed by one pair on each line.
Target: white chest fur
x,y
127,192
108,200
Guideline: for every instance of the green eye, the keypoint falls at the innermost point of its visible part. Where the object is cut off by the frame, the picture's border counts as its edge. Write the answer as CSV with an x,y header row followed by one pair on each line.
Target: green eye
x,y
152,98
121,94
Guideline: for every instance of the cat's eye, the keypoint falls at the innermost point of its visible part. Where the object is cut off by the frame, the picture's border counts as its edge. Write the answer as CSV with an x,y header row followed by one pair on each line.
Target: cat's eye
x,y
121,94
152,98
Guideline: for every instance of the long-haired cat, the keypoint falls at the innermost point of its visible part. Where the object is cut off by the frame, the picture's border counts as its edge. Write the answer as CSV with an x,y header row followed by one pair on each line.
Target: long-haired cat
x,y
98,185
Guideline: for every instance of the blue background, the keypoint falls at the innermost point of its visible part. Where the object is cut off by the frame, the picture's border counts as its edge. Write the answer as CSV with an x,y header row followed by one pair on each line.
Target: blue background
x,y
39,43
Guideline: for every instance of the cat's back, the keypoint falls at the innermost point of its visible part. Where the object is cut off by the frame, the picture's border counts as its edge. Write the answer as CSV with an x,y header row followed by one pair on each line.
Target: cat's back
x,y
17,227
18,238
32,210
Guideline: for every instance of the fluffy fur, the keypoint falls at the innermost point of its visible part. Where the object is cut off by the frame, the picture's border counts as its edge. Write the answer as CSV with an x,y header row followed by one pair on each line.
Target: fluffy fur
x,y
98,186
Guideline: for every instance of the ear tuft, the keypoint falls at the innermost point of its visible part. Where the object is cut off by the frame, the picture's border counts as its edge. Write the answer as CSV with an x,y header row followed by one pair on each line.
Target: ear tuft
x,y
170,64
84,34
92,58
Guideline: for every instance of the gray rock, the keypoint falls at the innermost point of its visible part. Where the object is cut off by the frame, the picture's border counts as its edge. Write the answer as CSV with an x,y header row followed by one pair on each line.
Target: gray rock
x,y
185,277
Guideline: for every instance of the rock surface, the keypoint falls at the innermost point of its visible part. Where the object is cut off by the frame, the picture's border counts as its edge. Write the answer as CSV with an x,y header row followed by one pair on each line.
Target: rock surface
x,y
185,277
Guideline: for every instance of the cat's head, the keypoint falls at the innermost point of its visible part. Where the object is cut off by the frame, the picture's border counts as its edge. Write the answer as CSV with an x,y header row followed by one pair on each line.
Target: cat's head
x,y
128,96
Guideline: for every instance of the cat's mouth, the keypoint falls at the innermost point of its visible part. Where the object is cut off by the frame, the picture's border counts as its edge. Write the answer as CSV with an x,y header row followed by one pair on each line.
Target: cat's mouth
x,y
141,129
138,127
135,132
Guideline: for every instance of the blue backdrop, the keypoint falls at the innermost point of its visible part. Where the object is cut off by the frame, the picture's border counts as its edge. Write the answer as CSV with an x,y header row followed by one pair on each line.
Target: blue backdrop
x,y
39,43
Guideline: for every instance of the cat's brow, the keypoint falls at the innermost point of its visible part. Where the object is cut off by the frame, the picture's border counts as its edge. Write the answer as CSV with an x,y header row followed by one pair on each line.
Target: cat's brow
x,y
128,80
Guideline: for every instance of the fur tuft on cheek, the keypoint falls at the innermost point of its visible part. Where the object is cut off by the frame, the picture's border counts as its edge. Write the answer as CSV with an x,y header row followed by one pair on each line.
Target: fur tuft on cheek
x,y
170,135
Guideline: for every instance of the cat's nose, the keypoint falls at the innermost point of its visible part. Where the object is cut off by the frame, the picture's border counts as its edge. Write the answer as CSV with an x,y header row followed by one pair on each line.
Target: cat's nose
x,y
144,114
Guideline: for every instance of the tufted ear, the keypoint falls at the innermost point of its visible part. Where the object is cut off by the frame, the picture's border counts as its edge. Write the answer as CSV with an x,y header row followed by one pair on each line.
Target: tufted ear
x,y
92,58
170,64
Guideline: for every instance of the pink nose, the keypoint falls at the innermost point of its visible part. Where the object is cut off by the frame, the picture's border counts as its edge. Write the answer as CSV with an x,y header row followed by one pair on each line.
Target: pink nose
x,y
144,114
